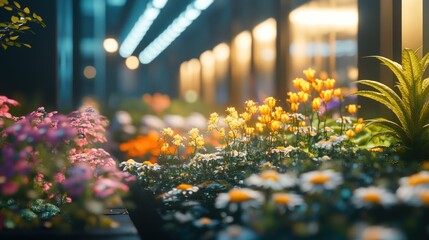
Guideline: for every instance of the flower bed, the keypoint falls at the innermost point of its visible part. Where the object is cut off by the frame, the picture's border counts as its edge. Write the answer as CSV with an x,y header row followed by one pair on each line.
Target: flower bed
x,y
309,172
54,174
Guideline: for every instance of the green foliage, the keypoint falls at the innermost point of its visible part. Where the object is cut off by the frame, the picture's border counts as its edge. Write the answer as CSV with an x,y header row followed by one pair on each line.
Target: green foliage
x,y
410,105
19,23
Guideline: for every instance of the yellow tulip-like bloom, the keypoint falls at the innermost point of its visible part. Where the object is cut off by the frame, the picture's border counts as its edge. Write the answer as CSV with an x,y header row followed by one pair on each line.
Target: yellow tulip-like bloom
x,y
177,140
302,124
264,119
251,107
264,110
165,148
294,107
297,83
250,130
352,108
167,132
260,127
350,133
337,93
293,97
330,83
305,86
315,104
359,127
277,114
270,101
284,118
326,95
275,126
303,97
317,85
213,121
246,116
309,74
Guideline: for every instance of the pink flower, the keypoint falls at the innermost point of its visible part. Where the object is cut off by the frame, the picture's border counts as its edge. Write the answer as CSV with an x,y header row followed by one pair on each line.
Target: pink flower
x,y
59,178
9,188
46,186
105,187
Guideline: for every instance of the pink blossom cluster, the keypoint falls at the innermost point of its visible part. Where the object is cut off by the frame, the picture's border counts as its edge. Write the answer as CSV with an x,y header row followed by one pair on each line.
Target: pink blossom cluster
x,y
94,157
90,125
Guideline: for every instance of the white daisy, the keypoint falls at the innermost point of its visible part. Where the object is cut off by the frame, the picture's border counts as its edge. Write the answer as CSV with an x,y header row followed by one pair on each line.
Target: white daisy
x,y
271,179
244,196
289,200
184,189
370,196
316,181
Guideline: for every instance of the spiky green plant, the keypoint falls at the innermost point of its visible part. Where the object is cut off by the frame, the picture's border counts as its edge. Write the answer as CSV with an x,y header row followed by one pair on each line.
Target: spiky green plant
x,y
409,104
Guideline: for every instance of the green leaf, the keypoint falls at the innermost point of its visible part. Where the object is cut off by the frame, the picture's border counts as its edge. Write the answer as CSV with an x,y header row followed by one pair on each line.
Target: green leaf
x,y
13,37
389,98
27,45
8,8
27,10
17,4
22,28
4,46
396,68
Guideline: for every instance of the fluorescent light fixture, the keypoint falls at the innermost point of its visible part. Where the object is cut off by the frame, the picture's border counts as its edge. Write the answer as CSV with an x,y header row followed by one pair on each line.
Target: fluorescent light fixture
x,y
192,12
140,28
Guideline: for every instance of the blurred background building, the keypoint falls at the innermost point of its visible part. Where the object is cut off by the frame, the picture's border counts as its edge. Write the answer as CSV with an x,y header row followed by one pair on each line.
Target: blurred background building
x,y
221,52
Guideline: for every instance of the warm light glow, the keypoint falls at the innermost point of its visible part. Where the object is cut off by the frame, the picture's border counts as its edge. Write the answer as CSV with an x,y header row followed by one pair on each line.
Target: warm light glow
x,y
208,75
339,17
265,31
132,62
221,52
243,40
110,45
89,72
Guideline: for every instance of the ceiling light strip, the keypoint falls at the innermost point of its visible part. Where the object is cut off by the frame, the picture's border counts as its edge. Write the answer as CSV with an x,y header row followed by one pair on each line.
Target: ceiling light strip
x,y
133,39
193,10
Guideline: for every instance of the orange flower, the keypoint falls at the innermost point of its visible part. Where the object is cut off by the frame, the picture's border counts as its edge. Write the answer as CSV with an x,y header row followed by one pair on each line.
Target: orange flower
x,y
303,97
270,101
350,133
264,109
294,107
293,97
142,146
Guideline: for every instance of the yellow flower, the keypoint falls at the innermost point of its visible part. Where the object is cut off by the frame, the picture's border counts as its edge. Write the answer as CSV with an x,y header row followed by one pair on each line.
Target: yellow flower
x,y
131,161
297,83
270,101
284,118
213,121
148,163
165,148
318,85
350,133
293,97
177,140
337,93
294,107
315,104
251,107
352,108
326,95
246,116
359,127
193,133
167,132
329,83
264,109
260,127
305,86
264,119
302,124
309,74
275,126
250,130
303,97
